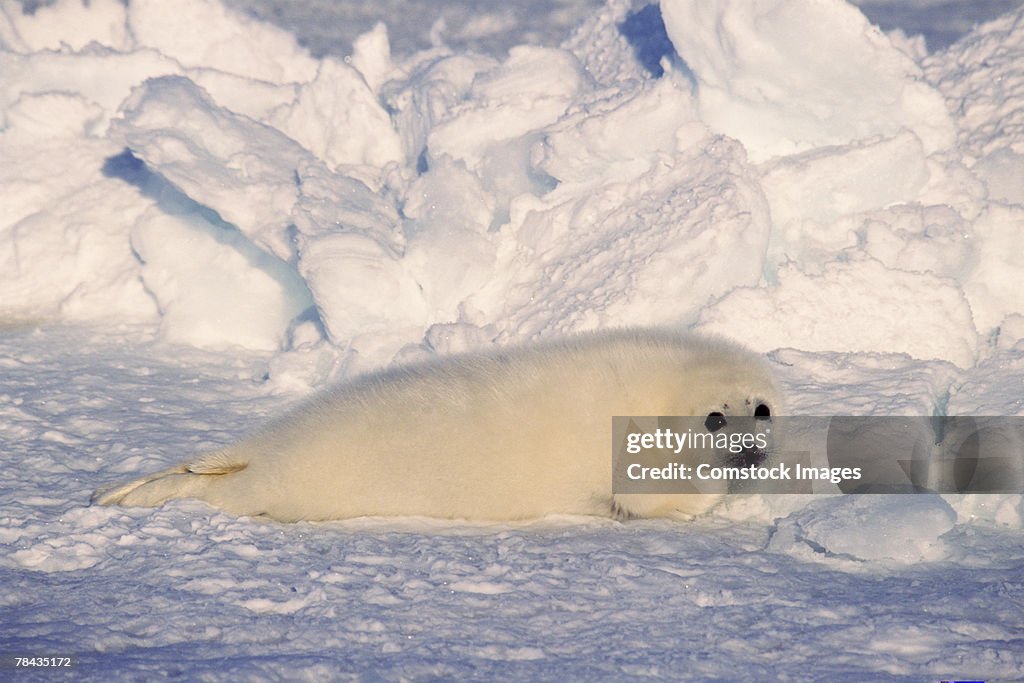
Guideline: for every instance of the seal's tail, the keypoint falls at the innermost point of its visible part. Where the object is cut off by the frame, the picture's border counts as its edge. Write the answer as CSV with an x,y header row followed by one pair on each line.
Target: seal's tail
x,y
187,480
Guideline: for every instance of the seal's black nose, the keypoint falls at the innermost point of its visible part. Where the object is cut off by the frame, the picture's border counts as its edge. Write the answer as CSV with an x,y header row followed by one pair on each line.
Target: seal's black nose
x,y
749,457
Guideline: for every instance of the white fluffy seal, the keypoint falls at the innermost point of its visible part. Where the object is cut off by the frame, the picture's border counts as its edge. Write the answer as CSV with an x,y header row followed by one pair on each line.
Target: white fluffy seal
x,y
513,433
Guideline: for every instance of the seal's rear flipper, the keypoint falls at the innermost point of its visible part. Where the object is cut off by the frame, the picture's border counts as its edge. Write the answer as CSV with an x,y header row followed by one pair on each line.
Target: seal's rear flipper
x,y
182,481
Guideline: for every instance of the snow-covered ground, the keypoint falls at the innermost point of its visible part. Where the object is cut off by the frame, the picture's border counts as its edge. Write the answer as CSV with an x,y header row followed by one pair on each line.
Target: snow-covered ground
x,y
201,222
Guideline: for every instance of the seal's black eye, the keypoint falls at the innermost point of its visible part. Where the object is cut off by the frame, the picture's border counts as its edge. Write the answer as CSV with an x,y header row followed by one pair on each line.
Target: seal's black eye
x,y
762,411
714,422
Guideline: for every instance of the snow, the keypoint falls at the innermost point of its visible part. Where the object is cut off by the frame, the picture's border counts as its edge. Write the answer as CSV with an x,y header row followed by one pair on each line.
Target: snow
x,y
202,221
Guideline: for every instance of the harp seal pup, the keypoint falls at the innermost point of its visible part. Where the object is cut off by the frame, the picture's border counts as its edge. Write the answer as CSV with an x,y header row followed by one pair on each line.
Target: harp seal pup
x,y
507,434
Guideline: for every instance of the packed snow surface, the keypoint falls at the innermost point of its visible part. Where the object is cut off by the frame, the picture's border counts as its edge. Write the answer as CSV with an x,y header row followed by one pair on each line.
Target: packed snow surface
x,y
203,221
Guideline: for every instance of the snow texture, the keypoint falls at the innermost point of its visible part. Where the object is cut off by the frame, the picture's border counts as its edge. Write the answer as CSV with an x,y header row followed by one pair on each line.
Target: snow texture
x,y
203,221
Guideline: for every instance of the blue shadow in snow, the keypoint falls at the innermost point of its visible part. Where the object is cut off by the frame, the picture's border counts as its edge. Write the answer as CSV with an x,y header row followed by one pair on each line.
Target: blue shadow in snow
x,y
645,31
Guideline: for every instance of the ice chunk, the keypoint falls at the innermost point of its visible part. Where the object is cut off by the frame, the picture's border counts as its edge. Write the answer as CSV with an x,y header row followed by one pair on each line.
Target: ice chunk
x,y
64,251
651,249
992,387
71,260
338,118
215,288
287,203
915,237
1001,509
820,383
903,529
449,249
784,76
851,306
64,24
255,99
993,284
361,288
620,137
622,42
244,170
982,77
206,33
1003,174
530,90
75,74
433,88
815,188
371,56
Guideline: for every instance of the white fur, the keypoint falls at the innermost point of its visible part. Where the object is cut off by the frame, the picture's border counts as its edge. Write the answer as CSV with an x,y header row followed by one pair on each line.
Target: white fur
x,y
513,433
